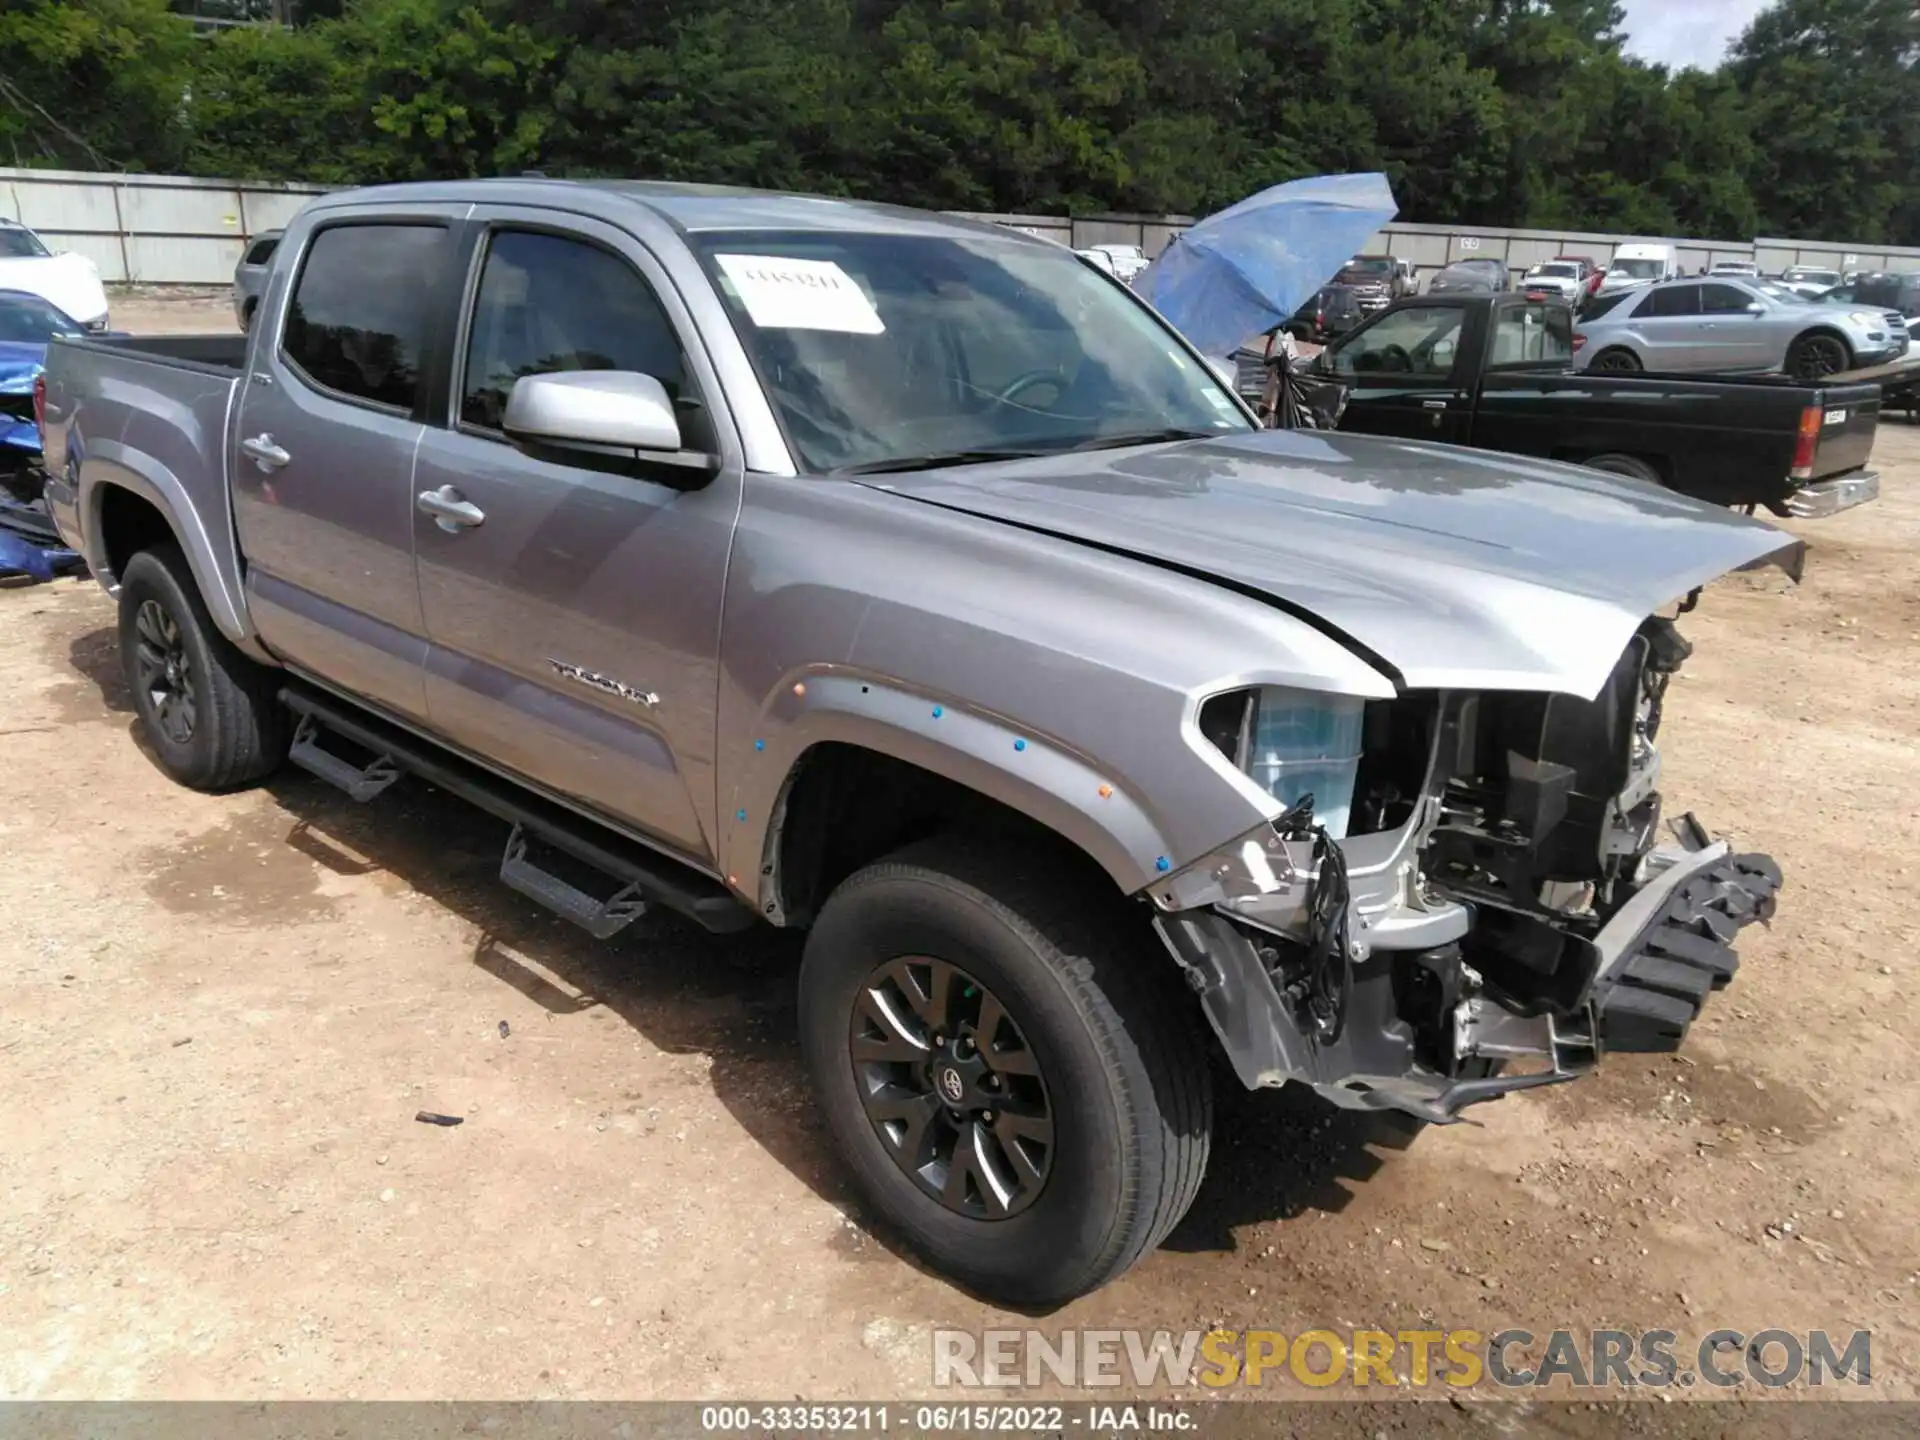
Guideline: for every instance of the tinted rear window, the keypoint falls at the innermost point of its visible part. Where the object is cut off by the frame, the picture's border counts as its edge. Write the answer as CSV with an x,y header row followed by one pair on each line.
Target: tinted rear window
x,y
1668,300
358,317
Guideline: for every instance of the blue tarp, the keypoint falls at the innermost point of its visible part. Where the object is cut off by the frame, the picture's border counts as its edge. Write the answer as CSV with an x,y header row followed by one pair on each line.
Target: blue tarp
x,y
1246,269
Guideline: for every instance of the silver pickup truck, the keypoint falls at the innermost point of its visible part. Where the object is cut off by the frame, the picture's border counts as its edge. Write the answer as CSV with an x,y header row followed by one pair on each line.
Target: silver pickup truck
x,y
791,561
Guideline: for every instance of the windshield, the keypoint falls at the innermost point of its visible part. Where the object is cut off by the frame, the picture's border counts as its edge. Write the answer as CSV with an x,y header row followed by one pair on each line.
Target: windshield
x,y
1774,290
1813,277
1566,272
1362,266
29,320
17,243
1639,269
878,348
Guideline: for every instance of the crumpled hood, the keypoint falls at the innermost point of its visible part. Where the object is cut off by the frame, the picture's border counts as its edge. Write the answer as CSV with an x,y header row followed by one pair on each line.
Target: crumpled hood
x,y
1450,568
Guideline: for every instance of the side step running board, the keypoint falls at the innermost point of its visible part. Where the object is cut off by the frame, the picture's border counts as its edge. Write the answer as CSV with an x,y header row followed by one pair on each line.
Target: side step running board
x,y
602,919
361,782
643,876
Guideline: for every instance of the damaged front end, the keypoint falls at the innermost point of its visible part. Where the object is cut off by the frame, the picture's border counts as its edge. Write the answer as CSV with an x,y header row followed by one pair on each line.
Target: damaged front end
x,y
1497,914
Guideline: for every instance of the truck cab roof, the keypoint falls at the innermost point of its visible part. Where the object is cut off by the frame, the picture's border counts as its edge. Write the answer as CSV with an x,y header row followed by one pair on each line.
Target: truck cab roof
x,y
688,208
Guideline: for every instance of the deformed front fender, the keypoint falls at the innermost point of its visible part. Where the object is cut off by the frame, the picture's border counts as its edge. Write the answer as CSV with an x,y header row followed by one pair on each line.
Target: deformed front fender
x,y
982,752
1055,679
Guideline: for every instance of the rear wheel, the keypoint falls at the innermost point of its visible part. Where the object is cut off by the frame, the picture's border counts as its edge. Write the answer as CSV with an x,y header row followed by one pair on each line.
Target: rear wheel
x,y
1015,1077
1817,355
212,716
1625,465
1616,361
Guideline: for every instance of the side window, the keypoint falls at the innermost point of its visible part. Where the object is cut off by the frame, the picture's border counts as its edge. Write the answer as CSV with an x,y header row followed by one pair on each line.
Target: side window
x,y
1669,300
1597,305
1723,300
358,316
548,303
1539,334
1421,340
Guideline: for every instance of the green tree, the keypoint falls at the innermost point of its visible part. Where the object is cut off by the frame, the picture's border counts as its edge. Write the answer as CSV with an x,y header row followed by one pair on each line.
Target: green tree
x,y
93,84
1834,109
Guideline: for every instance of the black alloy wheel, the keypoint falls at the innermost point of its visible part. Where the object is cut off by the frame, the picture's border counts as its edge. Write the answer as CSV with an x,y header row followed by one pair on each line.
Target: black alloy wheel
x,y
953,1090
1815,357
164,672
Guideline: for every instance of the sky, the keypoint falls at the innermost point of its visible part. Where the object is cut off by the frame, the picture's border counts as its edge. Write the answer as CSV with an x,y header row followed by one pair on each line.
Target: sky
x,y
1686,32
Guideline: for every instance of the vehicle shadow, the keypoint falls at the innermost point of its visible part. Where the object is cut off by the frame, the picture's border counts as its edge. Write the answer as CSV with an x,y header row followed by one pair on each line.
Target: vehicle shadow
x,y
732,999
1279,1154
96,655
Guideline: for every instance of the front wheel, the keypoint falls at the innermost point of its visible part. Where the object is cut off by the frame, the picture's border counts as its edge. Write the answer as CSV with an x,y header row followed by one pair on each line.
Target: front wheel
x,y
1012,1072
1616,361
1816,356
211,715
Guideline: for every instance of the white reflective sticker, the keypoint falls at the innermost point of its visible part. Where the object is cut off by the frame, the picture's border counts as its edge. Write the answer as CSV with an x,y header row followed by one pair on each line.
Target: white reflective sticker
x,y
781,293
1836,417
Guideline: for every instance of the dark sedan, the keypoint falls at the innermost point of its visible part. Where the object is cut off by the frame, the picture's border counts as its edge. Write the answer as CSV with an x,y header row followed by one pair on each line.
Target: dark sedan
x,y
1470,277
1333,310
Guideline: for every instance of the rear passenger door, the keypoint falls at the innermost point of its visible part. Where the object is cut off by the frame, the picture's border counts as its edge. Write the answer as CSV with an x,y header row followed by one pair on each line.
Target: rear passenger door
x,y
575,623
1667,322
330,415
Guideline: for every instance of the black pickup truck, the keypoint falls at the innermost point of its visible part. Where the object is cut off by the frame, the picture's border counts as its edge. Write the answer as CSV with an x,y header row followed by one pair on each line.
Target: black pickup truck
x,y
1495,371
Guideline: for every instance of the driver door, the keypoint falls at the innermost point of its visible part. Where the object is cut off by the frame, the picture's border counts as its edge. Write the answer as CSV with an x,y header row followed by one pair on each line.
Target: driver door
x,y
1409,373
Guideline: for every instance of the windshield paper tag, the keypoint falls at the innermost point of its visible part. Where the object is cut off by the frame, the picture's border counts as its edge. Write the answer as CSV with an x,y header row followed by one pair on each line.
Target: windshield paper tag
x,y
786,294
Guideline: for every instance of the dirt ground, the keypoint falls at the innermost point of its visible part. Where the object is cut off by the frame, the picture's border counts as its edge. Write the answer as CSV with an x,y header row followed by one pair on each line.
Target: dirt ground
x,y
220,1015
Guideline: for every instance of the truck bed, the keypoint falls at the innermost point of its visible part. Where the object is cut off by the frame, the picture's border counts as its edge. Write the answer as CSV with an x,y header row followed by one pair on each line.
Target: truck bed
x,y
1729,438
151,415
223,354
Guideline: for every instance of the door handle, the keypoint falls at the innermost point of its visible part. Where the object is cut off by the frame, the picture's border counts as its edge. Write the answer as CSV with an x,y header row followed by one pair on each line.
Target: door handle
x,y
451,510
1433,404
263,452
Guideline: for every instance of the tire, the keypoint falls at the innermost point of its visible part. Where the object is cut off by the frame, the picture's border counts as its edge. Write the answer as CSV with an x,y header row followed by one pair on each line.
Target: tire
x,y
231,729
1818,354
1616,361
1113,1035
1625,465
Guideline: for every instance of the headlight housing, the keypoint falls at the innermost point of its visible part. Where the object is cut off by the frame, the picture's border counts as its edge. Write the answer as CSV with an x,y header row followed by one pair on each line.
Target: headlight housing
x,y
1293,743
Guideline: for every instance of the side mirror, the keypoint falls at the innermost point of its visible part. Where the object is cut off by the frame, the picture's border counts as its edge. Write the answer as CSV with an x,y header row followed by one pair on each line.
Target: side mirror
x,y
618,409
1756,308
606,420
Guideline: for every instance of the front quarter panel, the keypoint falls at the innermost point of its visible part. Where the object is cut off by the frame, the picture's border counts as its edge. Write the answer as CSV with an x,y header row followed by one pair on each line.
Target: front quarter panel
x,y
1059,680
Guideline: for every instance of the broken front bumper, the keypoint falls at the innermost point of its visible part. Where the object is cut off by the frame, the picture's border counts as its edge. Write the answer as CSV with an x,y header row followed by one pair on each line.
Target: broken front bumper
x,y
1671,945
1656,961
